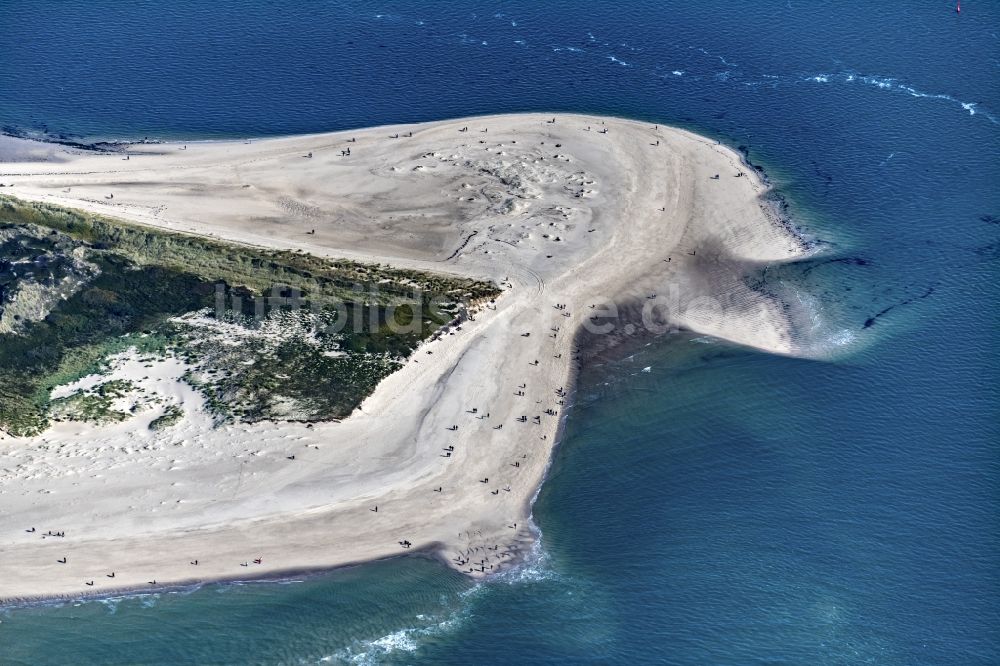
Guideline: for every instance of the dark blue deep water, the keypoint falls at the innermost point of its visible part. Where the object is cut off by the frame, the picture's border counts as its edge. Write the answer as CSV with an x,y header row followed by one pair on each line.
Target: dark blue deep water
x,y
725,507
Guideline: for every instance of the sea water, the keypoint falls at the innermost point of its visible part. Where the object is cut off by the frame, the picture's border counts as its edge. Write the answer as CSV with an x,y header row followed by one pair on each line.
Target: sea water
x,y
707,504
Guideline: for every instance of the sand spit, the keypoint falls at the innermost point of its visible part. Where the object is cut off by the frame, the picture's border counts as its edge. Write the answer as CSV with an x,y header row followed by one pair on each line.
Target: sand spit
x,y
569,216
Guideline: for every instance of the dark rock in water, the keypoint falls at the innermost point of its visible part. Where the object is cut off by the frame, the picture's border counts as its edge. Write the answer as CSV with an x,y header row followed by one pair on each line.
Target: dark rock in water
x,y
745,151
850,261
65,140
871,320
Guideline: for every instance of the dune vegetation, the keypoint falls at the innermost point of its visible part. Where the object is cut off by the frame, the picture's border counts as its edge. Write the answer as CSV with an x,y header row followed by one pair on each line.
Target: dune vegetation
x,y
268,334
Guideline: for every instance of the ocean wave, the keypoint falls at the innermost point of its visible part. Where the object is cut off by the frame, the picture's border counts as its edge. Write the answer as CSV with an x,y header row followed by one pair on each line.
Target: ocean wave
x,y
842,338
716,56
459,611
465,38
535,567
733,74
110,604
633,49
372,651
407,639
818,332
877,81
892,84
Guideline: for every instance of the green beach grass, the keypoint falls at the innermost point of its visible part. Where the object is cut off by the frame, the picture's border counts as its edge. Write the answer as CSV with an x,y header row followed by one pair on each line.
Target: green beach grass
x,y
313,336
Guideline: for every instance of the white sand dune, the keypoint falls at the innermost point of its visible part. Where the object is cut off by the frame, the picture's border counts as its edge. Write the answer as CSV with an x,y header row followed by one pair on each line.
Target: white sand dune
x,y
560,213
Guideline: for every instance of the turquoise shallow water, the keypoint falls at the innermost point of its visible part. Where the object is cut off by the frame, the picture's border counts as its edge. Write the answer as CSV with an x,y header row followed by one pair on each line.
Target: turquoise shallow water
x,y
722,507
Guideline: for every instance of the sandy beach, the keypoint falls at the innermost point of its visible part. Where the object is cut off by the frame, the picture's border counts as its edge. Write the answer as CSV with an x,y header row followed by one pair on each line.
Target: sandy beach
x,y
564,215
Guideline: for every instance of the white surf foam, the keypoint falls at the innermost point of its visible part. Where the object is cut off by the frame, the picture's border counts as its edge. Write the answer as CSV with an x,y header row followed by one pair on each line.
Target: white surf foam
x,y
405,640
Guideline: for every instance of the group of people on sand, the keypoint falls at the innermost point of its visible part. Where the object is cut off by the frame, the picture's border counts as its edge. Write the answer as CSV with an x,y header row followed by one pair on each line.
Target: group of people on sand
x,y
113,574
483,565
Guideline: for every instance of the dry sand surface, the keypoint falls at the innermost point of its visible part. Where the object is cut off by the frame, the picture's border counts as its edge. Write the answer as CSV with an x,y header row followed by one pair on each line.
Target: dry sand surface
x,y
572,213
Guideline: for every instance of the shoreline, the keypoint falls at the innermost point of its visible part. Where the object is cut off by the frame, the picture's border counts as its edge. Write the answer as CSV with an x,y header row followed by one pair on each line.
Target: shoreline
x,y
276,577
546,191
774,198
